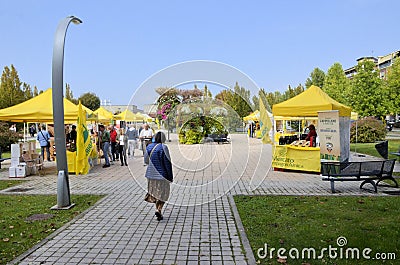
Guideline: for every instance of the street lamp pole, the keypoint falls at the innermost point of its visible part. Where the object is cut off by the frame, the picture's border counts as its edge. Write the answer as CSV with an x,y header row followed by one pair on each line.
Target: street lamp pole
x,y
168,129
63,192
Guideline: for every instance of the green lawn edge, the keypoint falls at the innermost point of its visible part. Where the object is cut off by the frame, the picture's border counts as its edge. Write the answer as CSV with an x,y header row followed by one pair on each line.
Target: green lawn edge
x,y
317,222
19,237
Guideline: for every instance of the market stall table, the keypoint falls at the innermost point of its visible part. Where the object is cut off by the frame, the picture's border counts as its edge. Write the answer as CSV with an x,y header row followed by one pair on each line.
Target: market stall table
x,y
308,106
296,158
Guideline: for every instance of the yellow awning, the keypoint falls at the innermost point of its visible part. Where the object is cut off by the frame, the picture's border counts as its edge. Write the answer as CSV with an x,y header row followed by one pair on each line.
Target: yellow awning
x,y
255,116
102,115
308,103
354,116
126,115
143,117
39,109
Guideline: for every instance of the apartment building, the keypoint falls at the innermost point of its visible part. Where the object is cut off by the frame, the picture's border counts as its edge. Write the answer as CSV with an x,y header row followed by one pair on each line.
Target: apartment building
x,y
382,63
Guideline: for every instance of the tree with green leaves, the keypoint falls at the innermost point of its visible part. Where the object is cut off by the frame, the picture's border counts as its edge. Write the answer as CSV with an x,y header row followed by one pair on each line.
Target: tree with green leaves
x,y
298,90
393,85
256,100
10,88
241,101
368,96
27,91
35,91
317,78
207,92
68,92
274,98
238,99
336,84
225,96
90,100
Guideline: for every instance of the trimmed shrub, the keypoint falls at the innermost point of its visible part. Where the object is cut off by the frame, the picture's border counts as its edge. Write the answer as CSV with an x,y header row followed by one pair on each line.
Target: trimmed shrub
x,y
369,130
194,130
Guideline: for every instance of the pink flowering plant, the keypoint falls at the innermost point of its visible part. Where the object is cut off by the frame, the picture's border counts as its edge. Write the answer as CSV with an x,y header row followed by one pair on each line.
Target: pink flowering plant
x,y
167,101
163,112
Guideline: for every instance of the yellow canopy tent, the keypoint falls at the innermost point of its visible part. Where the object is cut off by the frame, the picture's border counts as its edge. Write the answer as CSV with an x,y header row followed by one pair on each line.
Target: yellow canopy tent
x,y
102,115
126,115
88,111
308,103
354,116
143,117
255,116
38,109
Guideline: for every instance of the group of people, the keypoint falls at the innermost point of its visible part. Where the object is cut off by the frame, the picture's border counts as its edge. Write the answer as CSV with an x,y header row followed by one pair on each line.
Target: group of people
x,y
252,127
118,144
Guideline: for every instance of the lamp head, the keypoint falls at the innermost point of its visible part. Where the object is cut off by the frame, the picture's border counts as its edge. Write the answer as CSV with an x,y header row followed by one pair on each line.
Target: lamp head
x,y
75,20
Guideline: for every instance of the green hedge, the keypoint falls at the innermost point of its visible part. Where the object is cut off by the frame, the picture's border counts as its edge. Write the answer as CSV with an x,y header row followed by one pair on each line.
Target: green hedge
x,y
195,129
369,130
7,137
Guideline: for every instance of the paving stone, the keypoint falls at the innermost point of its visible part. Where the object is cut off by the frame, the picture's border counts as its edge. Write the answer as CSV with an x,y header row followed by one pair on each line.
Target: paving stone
x,y
198,226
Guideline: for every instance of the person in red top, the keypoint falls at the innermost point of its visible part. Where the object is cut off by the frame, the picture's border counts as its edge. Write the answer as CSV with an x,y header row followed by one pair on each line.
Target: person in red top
x,y
311,133
113,140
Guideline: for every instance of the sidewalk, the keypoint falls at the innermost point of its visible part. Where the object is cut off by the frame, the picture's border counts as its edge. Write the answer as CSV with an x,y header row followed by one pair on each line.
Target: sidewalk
x,y
199,225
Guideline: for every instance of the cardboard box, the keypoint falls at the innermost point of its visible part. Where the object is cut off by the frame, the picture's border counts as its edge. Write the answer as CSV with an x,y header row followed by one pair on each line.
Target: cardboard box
x,y
14,161
15,151
17,172
21,171
12,171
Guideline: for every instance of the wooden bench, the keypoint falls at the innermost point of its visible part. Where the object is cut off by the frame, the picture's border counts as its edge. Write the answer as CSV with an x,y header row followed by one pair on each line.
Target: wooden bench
x,y
1,158
365,171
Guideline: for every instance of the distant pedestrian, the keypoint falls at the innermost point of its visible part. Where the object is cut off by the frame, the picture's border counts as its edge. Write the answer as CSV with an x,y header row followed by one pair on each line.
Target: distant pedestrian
x,y
146,135
158,173
105,144
32,130
133,135
113,141
43,137
122,146
72,137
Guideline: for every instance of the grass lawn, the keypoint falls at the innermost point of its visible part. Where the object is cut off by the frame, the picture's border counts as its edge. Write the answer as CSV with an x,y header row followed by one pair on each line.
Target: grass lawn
x,y
317,222
6,183
18,234
369,148
6,154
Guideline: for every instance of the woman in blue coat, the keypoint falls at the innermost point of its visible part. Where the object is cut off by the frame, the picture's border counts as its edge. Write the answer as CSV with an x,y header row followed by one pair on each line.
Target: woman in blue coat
x,y
158,173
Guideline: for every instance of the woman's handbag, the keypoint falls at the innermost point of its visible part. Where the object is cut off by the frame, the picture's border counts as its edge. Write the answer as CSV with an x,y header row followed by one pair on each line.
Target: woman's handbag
x,y
47,140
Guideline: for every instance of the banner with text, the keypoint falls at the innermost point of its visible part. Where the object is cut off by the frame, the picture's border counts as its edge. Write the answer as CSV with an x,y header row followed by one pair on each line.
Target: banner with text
x,y
329,134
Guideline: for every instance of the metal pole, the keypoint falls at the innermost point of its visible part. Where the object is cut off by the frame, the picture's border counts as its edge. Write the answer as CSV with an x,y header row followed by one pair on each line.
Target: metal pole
x,y
168,129
63,192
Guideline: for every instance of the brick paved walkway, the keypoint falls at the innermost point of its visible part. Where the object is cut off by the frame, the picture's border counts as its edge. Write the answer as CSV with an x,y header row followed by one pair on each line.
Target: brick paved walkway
x,y
199,225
